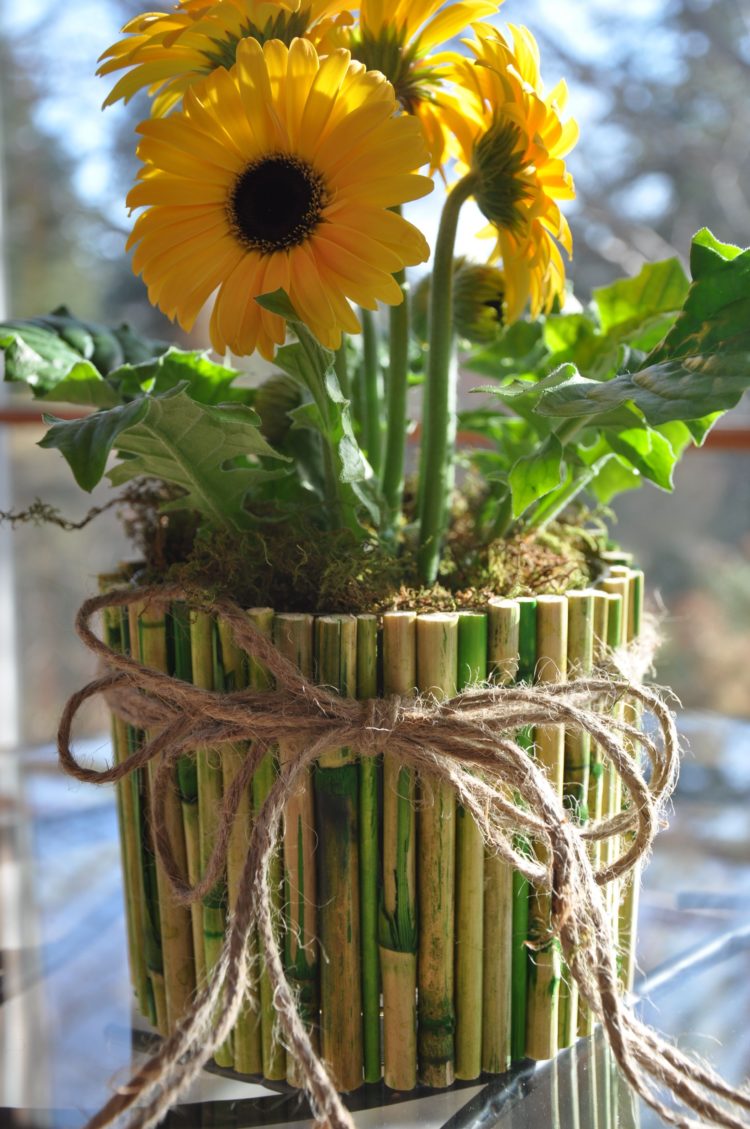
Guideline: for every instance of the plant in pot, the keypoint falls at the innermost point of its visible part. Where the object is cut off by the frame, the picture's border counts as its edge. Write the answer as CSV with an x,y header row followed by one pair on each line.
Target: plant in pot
x,y
287,543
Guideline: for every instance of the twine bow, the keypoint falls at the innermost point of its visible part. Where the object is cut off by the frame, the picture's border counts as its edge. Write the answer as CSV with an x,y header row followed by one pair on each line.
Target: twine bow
x,y
467,741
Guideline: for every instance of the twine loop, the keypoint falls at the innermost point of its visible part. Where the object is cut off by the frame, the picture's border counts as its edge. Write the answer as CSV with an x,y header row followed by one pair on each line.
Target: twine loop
x,y
469,742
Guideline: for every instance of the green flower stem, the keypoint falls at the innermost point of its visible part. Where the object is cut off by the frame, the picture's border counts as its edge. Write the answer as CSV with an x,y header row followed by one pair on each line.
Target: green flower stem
x,y
398,386
372,406
341,367
439,410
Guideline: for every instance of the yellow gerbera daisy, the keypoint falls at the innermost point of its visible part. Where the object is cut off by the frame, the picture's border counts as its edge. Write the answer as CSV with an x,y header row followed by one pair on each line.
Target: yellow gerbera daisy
x,y
167,51
278,173
398,37
513,139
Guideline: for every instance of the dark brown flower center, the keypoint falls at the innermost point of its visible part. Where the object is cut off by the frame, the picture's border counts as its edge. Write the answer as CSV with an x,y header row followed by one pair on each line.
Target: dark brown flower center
x,y
276,203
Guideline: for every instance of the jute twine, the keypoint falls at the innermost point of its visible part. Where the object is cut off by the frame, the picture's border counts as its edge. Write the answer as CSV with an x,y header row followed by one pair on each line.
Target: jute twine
x,y
468,741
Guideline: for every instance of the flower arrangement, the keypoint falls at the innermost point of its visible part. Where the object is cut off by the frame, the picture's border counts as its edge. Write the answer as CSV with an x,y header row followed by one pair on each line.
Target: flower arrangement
x,y
283,150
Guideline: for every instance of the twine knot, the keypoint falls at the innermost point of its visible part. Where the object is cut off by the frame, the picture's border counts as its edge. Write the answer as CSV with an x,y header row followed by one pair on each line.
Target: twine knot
x,y
468,742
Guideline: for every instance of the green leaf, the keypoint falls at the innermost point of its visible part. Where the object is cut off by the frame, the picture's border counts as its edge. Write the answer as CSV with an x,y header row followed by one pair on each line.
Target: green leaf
x,y
192,446
349,480
205,381
614,477
536,474
646,451
519,350
35,357
630,304
86,443
44,351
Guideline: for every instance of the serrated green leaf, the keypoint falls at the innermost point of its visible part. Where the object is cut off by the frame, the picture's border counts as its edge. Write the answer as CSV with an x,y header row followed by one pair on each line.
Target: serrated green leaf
x,y
205,381
192,446
86,443
349,480
536,474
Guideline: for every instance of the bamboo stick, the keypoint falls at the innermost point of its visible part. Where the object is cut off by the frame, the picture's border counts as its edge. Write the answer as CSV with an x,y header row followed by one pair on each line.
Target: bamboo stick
x,y
398,925
174,919
472,669
618,589
128,819
502,655
595,800
293,637
157,1000
336,808
527,649
437,644
577,773
187,776
631,894
369,856
231,673
273,1053
210,793
549,741
612,790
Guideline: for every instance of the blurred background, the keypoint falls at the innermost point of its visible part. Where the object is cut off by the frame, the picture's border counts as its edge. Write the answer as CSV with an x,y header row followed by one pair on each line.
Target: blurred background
x,y
660,88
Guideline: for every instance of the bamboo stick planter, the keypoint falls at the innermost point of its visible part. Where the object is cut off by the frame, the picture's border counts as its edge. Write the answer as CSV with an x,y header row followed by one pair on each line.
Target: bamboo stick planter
x,y
417,955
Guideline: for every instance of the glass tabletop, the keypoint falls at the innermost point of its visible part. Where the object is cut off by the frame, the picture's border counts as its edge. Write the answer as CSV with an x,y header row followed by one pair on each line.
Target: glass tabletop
x,y
69,1035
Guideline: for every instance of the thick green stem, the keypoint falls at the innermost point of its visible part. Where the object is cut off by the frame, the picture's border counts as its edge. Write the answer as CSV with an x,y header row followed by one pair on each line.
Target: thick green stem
x,y
439,410
502,520
398,387
341,367
373,390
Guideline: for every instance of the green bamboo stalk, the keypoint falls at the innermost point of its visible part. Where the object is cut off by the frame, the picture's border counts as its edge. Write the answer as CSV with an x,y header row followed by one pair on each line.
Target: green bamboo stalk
x,y
337,802
157,1001
398,925
210,794
527,635
293,637
369,856
631,894
373,390
128,820
174,920
231,674
502,655
273,1053
469,955
577,773
437,672
549,743
187,775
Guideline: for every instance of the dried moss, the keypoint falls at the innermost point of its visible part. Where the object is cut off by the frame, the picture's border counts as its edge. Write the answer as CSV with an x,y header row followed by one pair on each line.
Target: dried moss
x,y
296,566
291,567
